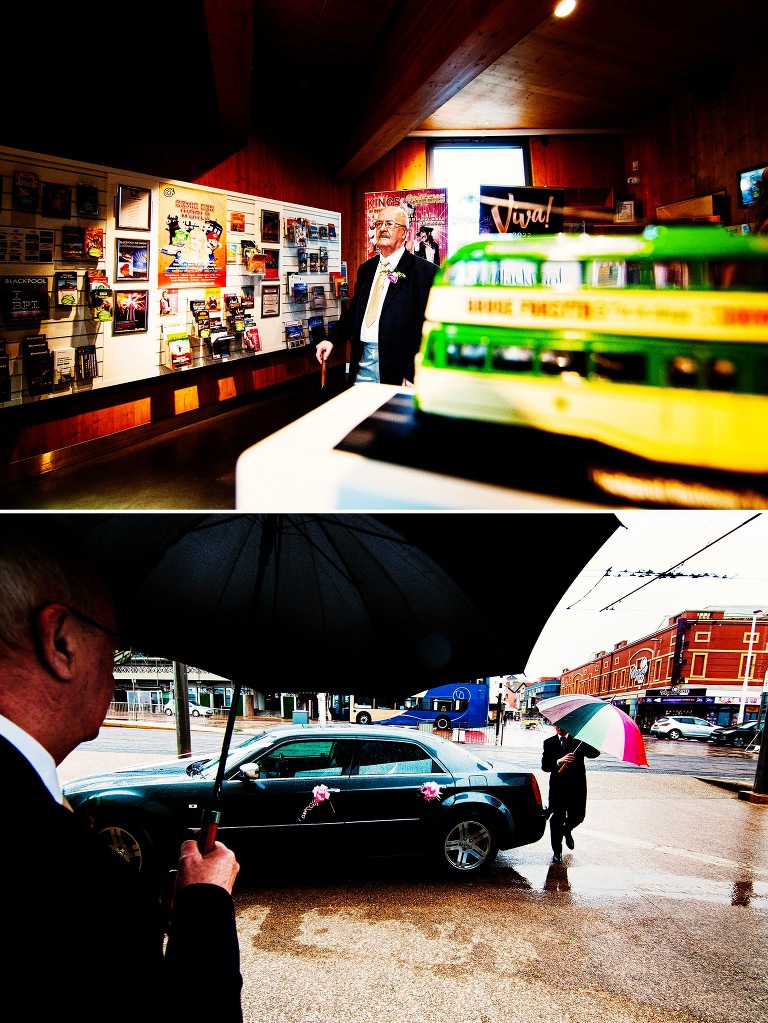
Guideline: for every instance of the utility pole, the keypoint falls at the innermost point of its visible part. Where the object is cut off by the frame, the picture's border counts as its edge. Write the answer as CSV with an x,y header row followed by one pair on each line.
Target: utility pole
x,y
747,669
181,703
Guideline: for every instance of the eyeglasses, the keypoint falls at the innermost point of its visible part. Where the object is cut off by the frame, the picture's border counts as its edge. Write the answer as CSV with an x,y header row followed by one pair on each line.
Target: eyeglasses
x,y
389,224
111,634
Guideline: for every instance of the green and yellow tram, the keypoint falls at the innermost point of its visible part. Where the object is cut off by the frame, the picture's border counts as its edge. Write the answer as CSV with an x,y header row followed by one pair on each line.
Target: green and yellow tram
x,y
654,344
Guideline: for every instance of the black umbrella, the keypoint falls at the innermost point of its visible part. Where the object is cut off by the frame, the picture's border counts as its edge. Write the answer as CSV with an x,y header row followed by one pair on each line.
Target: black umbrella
x,y
348,598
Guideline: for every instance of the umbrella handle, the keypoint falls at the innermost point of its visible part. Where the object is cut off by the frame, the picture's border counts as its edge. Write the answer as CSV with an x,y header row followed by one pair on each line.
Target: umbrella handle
x,y
562,767
206,839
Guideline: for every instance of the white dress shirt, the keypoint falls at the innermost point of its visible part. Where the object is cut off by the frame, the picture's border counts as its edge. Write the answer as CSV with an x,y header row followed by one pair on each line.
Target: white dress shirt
x,y
368,372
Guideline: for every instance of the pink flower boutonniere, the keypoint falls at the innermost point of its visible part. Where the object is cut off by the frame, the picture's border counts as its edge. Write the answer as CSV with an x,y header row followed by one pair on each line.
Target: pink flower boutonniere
x,y
394,276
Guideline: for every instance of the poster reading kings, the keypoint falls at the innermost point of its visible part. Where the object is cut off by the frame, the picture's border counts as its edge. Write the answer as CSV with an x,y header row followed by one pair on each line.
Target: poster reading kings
x,y
427,211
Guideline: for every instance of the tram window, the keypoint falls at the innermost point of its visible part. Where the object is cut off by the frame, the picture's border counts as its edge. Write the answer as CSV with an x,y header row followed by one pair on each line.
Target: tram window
x,y
566,273
620,367
742,275
521,273
672,274
465,355
722,375
682,371
639,273
513,359
607,274
467,274
760,378
554,363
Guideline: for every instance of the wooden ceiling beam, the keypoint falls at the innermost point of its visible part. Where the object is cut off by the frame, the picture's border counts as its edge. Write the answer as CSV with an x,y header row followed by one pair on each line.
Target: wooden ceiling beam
x,y
423,57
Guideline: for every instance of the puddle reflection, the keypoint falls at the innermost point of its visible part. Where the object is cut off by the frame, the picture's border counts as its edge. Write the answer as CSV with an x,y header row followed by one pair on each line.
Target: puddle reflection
x,y
590,883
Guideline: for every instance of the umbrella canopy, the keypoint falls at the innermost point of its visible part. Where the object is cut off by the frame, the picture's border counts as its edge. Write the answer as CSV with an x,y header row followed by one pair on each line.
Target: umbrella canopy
x,y
274,601
386,605
599,724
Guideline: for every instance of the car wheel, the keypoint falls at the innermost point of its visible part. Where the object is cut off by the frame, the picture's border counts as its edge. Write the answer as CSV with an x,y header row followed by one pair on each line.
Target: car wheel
x,y
443,723
363,718
195,713
738,740
130,842
466,845
169,712
675,734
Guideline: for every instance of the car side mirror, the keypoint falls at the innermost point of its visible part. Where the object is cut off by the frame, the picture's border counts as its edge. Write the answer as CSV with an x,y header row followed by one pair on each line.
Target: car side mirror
x,y
249,772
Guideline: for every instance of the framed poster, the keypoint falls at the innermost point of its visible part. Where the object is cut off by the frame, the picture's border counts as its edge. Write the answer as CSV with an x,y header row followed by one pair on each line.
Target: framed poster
x,y
134,208
131,259
57,200
270,300
625,212
130,312
270,226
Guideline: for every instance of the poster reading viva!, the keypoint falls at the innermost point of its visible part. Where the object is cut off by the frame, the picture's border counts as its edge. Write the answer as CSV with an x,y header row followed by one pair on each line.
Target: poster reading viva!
x,y
506,209
427,211
192,243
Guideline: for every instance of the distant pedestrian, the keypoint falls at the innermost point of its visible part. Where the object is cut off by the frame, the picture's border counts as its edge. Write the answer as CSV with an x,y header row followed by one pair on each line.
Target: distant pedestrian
x,y
563,759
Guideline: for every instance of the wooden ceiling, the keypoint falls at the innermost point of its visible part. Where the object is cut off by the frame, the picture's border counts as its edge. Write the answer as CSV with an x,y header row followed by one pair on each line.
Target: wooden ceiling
x,y
366,75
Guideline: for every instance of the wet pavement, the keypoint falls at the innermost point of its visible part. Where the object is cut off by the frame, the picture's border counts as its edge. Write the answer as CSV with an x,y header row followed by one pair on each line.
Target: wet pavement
x,y
659,914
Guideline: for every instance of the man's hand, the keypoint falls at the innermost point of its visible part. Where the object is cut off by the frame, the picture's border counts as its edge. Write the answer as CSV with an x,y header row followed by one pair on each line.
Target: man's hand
x,y
323,350
219,866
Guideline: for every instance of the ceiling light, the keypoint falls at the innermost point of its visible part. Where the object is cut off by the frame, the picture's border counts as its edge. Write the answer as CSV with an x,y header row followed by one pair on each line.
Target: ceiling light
x,y
564,8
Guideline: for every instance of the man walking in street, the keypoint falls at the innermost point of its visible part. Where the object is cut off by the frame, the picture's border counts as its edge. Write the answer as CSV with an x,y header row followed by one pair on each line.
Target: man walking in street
x,y
563,759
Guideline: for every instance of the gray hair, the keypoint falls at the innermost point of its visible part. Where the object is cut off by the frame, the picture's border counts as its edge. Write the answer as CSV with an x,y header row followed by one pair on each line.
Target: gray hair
x,y
34,572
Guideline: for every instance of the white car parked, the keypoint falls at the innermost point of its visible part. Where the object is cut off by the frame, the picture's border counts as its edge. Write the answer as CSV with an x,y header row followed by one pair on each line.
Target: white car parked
x,y
196,710
682,726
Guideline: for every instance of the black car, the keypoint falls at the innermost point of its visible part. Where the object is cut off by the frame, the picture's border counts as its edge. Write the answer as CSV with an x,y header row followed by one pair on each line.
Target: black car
x,y
336,791
735,735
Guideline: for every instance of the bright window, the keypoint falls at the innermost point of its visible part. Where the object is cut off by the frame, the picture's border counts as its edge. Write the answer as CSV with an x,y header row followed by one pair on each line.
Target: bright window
x,y
461,168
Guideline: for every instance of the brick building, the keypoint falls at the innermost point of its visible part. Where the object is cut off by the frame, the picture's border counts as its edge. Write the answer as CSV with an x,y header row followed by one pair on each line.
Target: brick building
x,y
697,664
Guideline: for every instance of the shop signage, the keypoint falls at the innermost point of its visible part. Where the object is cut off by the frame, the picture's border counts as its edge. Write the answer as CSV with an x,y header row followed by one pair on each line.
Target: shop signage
x,y
676,699
675,691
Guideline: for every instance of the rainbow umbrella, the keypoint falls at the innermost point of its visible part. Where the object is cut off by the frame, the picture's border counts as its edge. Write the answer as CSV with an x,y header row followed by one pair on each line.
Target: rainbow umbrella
x,y
597,723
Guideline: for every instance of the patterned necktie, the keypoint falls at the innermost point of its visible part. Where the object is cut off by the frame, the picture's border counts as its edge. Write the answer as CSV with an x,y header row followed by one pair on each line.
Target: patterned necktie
x,y
373,302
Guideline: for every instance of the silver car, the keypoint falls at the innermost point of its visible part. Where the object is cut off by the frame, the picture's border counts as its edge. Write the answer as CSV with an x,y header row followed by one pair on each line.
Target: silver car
x,y
682,726
196,710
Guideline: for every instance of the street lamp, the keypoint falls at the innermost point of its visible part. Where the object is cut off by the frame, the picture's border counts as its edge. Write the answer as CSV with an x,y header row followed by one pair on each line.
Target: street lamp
x,y
745,687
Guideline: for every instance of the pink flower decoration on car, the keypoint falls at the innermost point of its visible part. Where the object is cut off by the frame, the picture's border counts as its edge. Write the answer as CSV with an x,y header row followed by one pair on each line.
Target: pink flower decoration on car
x,y
394,276
320,793
430,790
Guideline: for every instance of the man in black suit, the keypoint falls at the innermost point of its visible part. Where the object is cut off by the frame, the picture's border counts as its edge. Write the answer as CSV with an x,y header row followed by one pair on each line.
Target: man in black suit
x,y
84,931
386,314
563,759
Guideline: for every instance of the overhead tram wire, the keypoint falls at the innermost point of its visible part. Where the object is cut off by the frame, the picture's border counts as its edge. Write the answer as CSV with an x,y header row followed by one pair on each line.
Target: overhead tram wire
x,y
659,575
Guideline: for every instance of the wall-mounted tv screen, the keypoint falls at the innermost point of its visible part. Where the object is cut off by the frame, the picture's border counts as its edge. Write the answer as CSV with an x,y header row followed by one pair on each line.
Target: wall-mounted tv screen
x,y
748,181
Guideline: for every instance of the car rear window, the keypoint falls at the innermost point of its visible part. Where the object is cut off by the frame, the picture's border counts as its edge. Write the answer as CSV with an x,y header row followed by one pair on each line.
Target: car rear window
x,y
394,757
